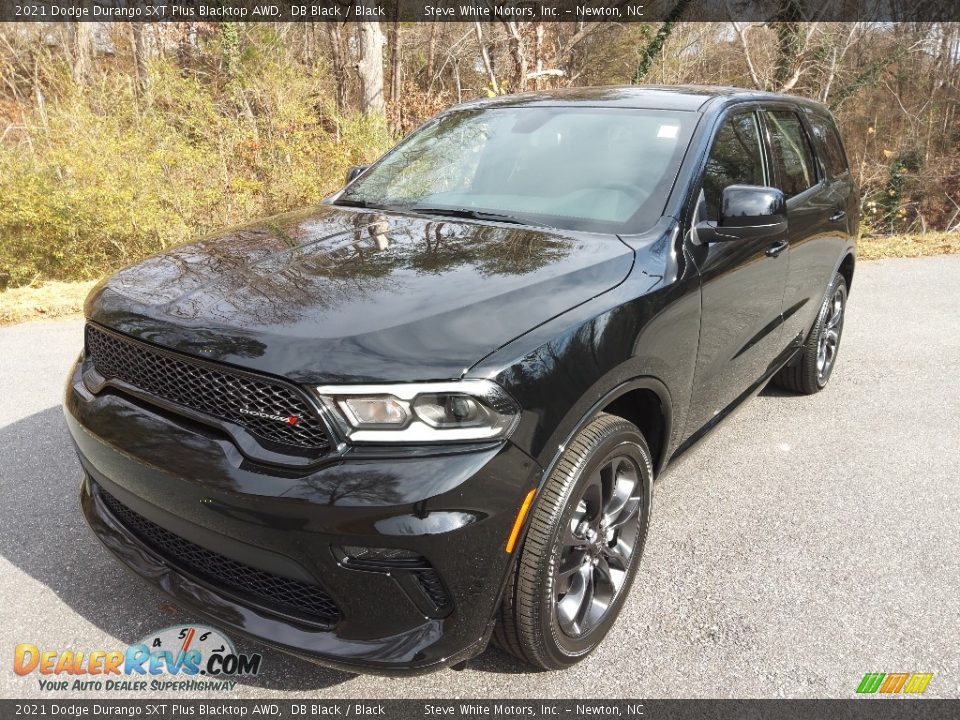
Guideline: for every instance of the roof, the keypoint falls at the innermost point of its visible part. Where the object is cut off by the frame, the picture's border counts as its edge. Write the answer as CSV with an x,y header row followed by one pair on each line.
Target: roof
x,y
691,98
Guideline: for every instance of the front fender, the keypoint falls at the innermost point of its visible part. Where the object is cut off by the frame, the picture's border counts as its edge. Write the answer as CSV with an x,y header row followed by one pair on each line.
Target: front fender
x,y
635,337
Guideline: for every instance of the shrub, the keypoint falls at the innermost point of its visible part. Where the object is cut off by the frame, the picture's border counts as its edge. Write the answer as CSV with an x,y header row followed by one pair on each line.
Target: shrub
x,y
102,176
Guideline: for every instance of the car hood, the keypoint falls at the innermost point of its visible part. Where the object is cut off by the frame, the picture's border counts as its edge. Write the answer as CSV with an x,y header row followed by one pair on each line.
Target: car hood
x,y
329,294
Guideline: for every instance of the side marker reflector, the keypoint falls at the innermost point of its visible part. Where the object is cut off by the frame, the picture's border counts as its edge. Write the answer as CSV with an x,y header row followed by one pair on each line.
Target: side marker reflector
x,y
518,523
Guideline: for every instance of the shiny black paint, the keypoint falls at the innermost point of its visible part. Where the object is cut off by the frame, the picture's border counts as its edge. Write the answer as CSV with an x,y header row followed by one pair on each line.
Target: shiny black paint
x,y
748,206
821,219
567,322
748,213
200,487
329,294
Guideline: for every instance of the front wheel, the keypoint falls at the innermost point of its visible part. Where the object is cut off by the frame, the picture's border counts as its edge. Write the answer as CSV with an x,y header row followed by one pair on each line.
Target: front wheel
x,y
811,370
582,549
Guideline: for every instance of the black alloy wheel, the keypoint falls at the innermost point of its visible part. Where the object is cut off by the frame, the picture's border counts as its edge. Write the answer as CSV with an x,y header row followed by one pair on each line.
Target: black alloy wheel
x,y
809,372
583,546
598,545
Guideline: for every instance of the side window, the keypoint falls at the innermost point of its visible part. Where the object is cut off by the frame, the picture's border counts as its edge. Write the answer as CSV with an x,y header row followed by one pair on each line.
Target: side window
x,y
834,159
736,158
791,152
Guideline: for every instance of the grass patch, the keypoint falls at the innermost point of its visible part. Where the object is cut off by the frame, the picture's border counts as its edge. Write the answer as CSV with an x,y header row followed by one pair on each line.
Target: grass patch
x,y
900,246
50,300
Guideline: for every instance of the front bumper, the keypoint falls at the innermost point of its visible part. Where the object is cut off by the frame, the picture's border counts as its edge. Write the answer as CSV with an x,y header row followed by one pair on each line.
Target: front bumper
x,y
453,509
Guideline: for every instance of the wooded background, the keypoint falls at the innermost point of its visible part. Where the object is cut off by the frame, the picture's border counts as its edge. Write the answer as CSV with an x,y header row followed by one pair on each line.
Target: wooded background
x,y
122,139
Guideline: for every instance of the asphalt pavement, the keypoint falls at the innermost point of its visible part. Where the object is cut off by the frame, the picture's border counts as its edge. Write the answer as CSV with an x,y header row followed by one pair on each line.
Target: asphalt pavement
x,y
807,541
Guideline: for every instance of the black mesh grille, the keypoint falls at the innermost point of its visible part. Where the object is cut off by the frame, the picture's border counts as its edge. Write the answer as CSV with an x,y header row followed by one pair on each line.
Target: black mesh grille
x,y
218,392
286,595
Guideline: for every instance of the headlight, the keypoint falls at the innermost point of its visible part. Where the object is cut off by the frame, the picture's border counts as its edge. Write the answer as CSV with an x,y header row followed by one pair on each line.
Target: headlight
x,y
463,411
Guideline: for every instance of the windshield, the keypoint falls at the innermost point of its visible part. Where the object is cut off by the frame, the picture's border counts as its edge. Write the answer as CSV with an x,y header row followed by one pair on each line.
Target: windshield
x,y
579,168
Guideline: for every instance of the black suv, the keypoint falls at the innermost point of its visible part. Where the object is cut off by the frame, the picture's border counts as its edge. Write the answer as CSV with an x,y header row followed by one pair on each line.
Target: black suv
x,y
379,431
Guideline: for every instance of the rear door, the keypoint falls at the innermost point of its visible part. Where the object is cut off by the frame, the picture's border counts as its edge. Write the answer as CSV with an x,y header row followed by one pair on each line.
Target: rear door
x,y
742,281
817,198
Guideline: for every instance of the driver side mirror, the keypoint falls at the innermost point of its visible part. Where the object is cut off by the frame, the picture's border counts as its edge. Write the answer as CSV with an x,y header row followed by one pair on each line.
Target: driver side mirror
x,y
355,171
746,211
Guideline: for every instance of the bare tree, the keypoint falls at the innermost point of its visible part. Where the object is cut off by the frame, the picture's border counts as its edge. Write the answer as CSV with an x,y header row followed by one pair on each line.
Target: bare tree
x,y
518,53
370,68
396,78
334,33
81,50
431,55
485,55
141,60
655,46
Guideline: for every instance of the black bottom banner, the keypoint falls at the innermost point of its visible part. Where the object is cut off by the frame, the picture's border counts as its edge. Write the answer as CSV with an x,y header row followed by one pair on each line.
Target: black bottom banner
x,y
854,709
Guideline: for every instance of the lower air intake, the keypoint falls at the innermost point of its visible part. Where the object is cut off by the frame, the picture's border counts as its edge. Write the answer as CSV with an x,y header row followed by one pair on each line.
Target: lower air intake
x,y
287,596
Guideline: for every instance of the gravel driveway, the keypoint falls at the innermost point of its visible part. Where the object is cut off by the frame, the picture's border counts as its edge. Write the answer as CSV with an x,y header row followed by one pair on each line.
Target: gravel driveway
x,y
807,541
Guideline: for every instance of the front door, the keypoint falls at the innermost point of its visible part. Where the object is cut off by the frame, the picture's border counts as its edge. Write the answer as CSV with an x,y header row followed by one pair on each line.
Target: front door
x,y
742,282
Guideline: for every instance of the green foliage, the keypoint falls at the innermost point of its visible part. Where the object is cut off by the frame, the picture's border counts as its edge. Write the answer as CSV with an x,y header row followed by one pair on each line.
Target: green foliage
x,y
98,180
655,46
889,209
893,197
230,48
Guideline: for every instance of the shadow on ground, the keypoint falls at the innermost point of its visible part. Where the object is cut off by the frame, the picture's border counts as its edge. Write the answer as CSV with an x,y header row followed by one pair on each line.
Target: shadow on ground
x,y
46,537
772,390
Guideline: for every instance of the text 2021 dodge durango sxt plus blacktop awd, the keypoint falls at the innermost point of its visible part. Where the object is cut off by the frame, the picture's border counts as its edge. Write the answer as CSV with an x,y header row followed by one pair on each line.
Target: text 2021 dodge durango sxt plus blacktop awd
x,y
381,431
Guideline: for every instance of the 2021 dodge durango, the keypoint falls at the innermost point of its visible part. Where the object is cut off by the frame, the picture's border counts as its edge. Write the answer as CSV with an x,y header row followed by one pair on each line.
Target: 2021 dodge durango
x,y
429,411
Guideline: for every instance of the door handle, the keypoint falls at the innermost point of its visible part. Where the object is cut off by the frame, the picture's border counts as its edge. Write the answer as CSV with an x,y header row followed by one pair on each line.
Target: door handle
x,y
838,215
777,248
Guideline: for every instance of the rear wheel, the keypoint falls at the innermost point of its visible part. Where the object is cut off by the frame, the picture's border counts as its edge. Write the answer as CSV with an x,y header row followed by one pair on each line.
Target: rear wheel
x,y
582,549
810,372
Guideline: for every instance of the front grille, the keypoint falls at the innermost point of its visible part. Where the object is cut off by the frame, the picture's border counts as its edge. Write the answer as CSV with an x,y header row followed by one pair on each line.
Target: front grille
x,y
219,392
285,594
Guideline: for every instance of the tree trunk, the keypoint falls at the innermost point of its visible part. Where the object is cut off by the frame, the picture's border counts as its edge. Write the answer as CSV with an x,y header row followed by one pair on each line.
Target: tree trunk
x,y
80,51
788,47
655,46
335,35
370,68
787,30
485,55
141,59
431,56
518,52
229,33
538,55
188,43
395,64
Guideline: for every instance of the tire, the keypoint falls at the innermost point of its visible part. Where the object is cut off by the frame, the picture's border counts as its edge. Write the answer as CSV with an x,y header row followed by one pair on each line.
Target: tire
x,y
805,374
538,616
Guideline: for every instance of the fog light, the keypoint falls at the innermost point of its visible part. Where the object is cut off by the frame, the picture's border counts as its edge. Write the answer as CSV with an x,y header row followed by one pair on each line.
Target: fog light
x,y
374,557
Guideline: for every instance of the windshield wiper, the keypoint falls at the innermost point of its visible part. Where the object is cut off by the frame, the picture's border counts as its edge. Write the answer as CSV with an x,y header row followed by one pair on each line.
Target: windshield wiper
x,y
347,202
471,214
449,212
